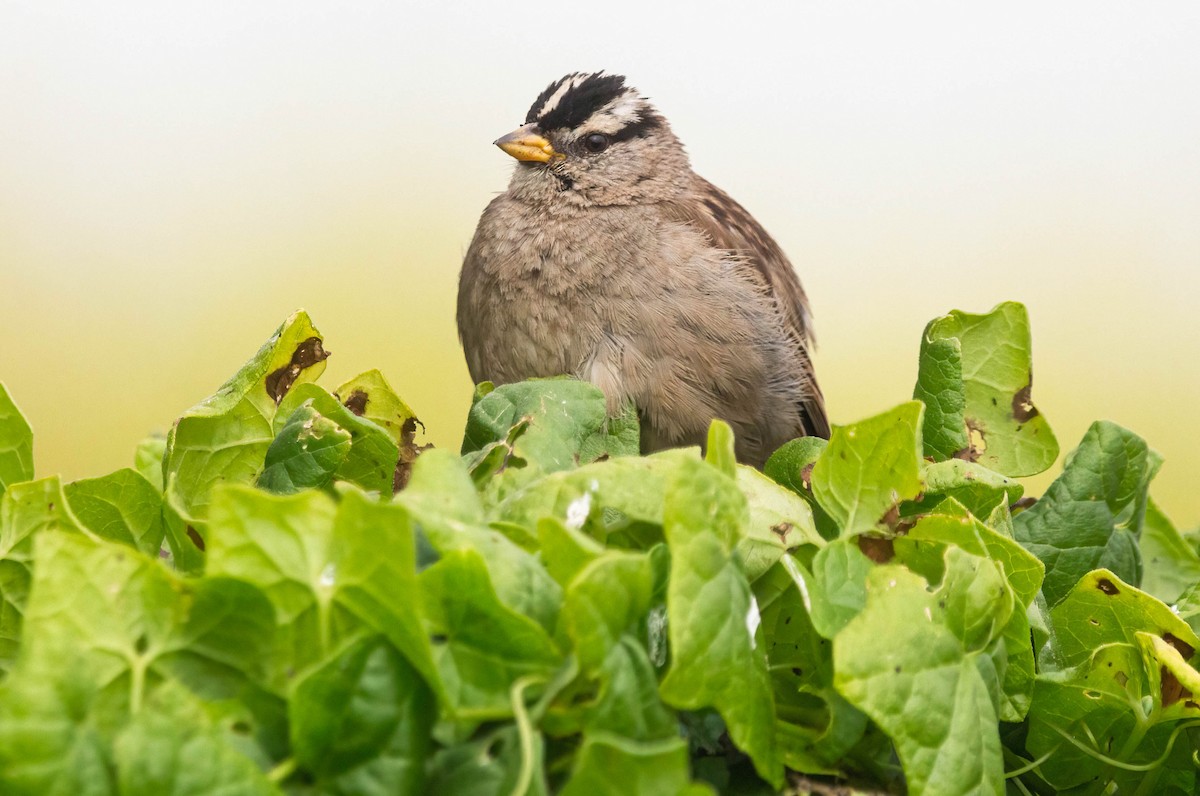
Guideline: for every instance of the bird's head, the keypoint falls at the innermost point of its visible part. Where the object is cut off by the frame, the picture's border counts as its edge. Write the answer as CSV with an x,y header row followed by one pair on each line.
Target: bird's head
x,y
589,139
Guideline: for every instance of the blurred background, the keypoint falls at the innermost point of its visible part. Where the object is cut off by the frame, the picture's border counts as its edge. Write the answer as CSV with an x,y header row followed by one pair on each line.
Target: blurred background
x,y
175,178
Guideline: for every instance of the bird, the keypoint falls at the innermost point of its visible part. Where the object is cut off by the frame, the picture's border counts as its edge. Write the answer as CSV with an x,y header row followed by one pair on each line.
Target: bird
x,y
608,258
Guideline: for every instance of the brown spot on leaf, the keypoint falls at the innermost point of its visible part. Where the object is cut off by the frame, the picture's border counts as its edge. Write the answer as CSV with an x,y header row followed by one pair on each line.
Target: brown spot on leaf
x,y
196,538
1172,690
409,451
1185,650
1105,585
306,355
1023,409
891,516
782,530
1121,678
357,402
976,442
877,549
806,475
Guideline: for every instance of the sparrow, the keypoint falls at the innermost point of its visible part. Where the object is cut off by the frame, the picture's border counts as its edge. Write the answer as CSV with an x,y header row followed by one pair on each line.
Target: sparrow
x,y
609,259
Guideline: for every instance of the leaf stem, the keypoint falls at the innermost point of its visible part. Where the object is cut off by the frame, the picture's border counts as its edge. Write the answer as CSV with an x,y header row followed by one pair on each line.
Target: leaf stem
x,y
282,771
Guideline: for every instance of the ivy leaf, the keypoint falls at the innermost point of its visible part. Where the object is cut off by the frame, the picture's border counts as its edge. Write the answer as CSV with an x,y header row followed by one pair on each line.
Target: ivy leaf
x,y
481,647
305,454
1091,515
361,721
922,664
173,747
1171,564
869,467
1113,686
606,606
372,457
608,765
517,432
16,443
122,506
712,616
975,376
224,438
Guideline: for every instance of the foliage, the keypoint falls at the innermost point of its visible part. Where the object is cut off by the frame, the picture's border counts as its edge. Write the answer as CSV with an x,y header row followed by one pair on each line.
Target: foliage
x,y
287,596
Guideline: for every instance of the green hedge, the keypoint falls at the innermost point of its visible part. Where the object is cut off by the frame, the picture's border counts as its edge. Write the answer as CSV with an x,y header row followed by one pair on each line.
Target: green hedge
x,y
251,610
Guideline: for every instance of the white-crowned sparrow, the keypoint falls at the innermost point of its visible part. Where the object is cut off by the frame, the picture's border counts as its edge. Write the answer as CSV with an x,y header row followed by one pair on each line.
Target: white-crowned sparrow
x,y
609,259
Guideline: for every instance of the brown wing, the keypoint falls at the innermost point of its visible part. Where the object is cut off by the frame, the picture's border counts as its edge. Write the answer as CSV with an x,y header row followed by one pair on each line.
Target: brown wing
x,y
727,224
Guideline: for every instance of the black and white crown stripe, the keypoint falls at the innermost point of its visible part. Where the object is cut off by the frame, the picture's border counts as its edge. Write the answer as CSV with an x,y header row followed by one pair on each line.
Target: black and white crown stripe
x,y
612,107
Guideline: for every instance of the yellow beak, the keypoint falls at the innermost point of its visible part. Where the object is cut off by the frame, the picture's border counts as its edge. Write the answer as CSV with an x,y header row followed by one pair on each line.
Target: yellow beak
x,y
525,143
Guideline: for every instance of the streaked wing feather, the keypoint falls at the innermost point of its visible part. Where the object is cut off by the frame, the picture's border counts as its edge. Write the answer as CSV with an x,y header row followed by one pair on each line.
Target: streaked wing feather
x,y
729,226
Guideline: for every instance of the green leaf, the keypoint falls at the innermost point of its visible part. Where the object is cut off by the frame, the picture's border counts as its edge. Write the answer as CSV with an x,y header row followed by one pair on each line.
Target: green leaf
x,y
837,585
605,612
816,727
375,574
330,577
106,629
282,545
26,509
224,438
372,457
973,485
369,396
122,507
712,616
954,525
305,454
618,502
440,480
148,459
608,765
779,521
719,450
941,388
1091,515
1171,564
173,748
1113,687
565,551
16,443
523,430
921,663
976,374
792,464
360,723
869,467
481,646
184,532
505,762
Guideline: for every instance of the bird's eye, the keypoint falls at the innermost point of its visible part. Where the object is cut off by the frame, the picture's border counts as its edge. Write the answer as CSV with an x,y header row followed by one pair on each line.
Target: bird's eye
x,y
596,142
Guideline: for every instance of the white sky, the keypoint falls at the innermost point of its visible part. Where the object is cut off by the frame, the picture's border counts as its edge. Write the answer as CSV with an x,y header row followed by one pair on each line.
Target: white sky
x,y
176,177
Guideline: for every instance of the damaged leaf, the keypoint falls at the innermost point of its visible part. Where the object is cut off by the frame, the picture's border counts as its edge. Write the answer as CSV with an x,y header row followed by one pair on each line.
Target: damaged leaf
x,y
975,378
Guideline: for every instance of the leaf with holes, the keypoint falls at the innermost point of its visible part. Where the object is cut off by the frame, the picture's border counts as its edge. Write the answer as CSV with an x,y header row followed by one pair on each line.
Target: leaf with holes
x,y
224,438
975,377
869,467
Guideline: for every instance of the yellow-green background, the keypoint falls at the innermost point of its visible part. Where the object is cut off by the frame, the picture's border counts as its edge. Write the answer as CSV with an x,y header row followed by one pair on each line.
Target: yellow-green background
x,y
175,178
